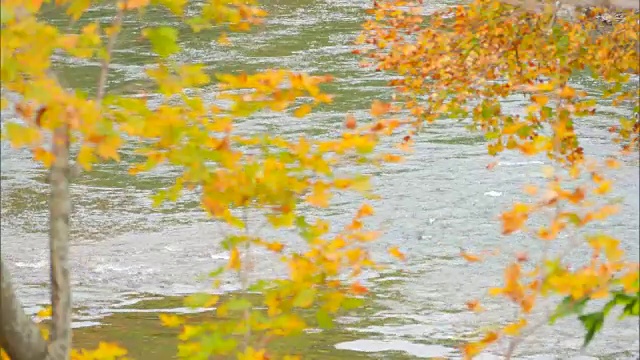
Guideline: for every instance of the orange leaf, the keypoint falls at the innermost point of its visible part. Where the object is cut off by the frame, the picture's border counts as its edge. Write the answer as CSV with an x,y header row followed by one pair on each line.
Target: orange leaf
x,y
379,108
395,252
474,305
350,122
469,257
365,210
522,256
133,4
358,289
567,92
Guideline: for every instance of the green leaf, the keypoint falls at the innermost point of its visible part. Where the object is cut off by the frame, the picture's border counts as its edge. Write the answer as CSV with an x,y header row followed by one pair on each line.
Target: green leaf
x,y
305,298
260,285
574,219
632,307
592,323
197,300
232,241
352,303
324,319
567,307
524,131
217,272
492,135
164,40
6,14
175,6
158,198
238,304
77,8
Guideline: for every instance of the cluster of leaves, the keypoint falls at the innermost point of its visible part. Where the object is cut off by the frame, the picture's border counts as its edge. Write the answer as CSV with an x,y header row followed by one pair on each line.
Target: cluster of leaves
x,y
459,63
313,283
233,172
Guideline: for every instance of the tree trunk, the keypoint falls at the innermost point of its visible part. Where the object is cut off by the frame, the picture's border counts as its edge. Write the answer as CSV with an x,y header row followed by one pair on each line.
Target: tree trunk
x,y
59,213
19,336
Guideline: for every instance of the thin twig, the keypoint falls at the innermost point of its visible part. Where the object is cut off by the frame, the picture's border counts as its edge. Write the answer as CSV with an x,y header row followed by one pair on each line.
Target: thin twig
x,y
104,71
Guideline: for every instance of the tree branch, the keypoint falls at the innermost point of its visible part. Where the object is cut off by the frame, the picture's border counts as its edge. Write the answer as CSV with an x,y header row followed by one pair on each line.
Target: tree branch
x,y
104,70
538,5
19,336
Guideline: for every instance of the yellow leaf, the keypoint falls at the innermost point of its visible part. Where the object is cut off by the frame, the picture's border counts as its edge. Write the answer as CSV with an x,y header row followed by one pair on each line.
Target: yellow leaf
x,y
513,329
275,246
567,92
251,354
44,156
86,157
109,350
541,100
45,313
44,332
495,291
108,148
170,320
542,87
302,111
223,39
604,187
234,259
188,332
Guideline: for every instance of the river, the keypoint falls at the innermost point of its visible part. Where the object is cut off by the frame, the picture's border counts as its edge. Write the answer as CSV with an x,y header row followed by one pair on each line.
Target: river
x,y
441,198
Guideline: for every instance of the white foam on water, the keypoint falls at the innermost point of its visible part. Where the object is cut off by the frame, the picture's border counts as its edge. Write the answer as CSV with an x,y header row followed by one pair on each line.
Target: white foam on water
x,y
373,346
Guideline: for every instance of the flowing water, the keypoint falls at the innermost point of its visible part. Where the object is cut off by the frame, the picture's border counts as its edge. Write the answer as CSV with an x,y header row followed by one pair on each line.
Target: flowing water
x,y
440,199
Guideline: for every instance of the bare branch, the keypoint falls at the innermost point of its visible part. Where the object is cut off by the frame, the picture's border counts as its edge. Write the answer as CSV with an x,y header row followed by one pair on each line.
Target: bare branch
x,y
104,71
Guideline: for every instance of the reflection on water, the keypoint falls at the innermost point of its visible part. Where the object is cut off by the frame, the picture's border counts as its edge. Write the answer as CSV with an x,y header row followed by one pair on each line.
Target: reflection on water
x,y
441,198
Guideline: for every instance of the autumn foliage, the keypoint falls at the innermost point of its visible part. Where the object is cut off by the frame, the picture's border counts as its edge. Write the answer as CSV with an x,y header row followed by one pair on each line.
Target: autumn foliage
x,y
458,63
